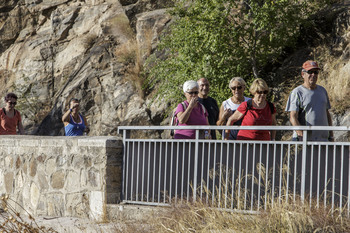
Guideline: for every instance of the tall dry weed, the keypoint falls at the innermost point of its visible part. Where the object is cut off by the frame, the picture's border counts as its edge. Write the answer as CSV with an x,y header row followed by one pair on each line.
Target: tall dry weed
x,y
284,213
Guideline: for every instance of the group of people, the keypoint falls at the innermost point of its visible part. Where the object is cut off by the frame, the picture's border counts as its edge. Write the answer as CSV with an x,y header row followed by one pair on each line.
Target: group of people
x,y
308,104
75,124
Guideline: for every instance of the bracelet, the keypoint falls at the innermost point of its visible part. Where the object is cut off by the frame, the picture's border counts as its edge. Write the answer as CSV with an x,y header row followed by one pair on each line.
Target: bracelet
x,y
70,110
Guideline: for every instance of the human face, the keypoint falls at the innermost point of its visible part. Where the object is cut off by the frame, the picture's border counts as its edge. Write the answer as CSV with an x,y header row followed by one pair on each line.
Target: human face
x,y
74,105
11,103
237,89
191,93
203,88
310,78
260,95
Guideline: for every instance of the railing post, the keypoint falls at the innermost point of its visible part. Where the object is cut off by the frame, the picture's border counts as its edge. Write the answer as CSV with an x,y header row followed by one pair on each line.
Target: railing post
x,y
195,166
303,166
126,134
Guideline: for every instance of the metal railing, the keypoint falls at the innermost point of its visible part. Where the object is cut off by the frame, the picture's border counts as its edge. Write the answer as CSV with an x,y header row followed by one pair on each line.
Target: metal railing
x,y
243,175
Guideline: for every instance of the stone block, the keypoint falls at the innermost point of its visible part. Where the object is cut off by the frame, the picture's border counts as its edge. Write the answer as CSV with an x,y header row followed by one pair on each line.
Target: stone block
x,y
8,178
34,195
97,206
55,204
72,181
58,179
77,204
28,143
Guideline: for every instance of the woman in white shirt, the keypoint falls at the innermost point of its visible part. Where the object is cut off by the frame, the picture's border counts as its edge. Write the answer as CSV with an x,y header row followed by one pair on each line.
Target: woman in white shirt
x,y
229,106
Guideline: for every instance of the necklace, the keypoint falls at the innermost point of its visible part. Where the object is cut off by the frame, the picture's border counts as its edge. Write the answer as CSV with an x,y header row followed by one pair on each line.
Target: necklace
x,y
237,101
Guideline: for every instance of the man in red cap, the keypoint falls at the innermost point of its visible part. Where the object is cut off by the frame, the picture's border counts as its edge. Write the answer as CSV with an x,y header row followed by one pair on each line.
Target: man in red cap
x,y
309,105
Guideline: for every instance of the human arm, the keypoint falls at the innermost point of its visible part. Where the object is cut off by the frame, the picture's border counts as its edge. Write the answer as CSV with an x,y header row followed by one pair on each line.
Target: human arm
x,y
295,122
274,122
329,118
232,119
20,128
223,115
184,116
87,128
65,117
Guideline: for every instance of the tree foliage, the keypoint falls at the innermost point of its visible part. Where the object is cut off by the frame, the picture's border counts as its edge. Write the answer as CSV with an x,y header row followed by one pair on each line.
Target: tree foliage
x,y
221,39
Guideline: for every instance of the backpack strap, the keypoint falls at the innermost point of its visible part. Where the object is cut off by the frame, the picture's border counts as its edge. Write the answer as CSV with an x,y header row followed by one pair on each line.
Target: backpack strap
x,y
4,111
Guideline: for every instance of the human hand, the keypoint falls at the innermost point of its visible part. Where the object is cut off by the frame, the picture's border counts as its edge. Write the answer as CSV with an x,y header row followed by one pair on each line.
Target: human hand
x,y
74,105
193,102
227,113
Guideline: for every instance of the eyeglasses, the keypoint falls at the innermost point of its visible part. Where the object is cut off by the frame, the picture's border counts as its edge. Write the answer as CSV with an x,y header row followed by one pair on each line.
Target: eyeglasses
x,y
311,71
262,92
12,103
238,88
192,92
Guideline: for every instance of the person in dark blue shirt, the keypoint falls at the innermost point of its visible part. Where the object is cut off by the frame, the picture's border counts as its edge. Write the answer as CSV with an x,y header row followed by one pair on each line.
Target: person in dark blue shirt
x,y
209,103
75,124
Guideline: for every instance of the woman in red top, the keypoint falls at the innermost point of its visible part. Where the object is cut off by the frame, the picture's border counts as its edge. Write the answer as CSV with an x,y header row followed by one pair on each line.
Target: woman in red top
x,y
10,118
259,113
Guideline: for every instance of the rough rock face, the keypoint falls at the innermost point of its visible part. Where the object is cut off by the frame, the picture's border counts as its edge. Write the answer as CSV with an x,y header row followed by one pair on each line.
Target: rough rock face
x,y
93,50
51,51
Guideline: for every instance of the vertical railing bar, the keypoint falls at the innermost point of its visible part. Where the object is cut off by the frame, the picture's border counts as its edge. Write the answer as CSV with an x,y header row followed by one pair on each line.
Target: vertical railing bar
x,y
188,171
325,179
348,201
171,170
273,175
267,172
341,178
208,174
333,178
177,171
239,176
125,169
183,172
148,171
132,171
195,170
165,169
295,171
246,177
253,176
233,173
202,170
303,166
214,176
220,174
281,175
288,172
143,170
154,170
160,169
318,176
226,183
137,171
259,182
311,172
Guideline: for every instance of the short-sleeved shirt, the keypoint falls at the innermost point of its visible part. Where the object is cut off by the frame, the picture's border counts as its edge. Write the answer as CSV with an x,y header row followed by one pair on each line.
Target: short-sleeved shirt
x,y
312,106
197,117
8,125
213,112
228,104
255,116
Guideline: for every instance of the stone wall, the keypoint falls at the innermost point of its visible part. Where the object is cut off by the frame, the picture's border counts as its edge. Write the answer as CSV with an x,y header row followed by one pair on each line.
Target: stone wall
x,y
61,176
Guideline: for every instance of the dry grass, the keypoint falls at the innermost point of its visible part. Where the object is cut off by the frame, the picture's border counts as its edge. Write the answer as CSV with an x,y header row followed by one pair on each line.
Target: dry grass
x,y
279,216
13,221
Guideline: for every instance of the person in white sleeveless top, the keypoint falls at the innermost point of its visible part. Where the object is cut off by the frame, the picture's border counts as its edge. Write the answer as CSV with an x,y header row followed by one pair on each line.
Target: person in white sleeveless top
x,y
229,106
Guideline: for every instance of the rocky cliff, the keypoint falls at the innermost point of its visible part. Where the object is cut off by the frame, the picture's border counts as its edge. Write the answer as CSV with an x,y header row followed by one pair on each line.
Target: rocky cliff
x,y
94,50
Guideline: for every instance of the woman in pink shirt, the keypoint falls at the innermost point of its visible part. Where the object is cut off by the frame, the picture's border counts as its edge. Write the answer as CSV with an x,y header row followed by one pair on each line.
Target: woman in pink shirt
x,y
190,112
10,118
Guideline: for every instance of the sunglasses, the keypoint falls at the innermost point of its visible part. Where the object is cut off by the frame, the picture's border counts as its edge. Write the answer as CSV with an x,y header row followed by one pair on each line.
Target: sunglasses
x,y
12,103
192,92
311,71
262,92
238,88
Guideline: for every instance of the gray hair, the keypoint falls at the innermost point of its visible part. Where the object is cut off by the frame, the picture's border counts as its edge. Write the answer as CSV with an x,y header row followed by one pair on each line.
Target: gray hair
x,y
188,85
238,79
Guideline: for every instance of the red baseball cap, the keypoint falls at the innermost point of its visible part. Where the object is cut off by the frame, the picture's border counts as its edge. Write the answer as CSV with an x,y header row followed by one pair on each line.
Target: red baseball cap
x,y
309,65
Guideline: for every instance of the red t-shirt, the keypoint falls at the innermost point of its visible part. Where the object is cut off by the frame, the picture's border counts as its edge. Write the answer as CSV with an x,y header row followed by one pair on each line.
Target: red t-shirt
x,y
8,125
255,116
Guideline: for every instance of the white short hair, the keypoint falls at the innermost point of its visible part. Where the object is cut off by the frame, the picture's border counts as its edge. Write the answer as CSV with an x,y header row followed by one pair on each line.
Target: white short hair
x,y
188,85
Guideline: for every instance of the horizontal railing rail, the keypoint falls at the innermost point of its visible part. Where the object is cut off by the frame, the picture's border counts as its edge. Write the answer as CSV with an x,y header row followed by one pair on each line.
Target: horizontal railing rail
x,y
235,174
